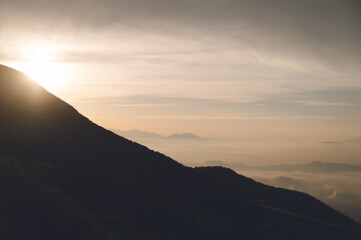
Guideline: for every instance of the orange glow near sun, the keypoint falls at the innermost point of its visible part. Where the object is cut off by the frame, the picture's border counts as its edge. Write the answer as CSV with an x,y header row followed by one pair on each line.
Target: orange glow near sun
x,y
39,64
50,75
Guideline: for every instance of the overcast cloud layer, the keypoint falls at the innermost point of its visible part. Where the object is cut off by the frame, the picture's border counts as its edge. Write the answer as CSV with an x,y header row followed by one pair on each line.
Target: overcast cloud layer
x,y
323,32
261,73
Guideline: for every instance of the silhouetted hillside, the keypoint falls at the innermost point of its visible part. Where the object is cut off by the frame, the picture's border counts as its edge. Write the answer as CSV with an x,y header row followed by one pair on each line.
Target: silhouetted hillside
x,y
64,177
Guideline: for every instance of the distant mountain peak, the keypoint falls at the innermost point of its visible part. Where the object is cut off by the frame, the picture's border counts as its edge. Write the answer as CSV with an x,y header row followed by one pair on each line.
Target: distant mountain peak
x,y
137,134
183,136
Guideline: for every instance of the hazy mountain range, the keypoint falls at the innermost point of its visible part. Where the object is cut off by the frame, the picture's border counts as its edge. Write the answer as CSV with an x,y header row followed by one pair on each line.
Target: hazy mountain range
x,y
64,177
315,167
139,134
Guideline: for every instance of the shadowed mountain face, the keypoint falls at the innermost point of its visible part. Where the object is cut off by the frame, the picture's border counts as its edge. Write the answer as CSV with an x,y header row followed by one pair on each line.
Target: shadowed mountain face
x,y
64,177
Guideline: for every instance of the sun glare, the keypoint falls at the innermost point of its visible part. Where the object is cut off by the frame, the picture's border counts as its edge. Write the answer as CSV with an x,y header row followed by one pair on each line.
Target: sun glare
x,y
40,65
50,75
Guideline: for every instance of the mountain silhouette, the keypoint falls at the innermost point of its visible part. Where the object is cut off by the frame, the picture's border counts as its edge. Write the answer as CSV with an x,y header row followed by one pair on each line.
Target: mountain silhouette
x,y
141,135
191,136
64,177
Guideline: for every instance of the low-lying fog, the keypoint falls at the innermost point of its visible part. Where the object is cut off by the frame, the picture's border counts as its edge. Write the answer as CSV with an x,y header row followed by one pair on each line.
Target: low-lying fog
x,y
340,190
280,165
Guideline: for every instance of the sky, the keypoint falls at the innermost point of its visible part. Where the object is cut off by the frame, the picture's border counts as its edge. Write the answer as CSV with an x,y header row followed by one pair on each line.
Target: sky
x,y
267,81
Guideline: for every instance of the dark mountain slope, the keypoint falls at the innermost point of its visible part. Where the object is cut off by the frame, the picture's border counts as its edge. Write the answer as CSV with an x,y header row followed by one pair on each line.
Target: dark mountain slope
x,y
95,166
64,177
293,201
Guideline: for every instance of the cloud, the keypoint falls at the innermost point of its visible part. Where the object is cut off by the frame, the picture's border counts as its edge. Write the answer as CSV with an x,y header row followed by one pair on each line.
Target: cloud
x,y
241,58
333,142
340,190
355,140
320,103
345,196
290,182
328,33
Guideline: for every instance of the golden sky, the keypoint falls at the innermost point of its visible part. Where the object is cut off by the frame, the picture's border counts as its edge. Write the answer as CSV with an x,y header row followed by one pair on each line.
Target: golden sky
x,y
275,81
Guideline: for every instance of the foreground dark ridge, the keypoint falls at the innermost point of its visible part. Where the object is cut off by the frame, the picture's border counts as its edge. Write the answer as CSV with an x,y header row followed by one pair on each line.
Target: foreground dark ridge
x,y
64,177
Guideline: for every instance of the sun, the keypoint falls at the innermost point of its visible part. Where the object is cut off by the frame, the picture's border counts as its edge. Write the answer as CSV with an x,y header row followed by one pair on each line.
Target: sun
x,y
40,65
48,74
